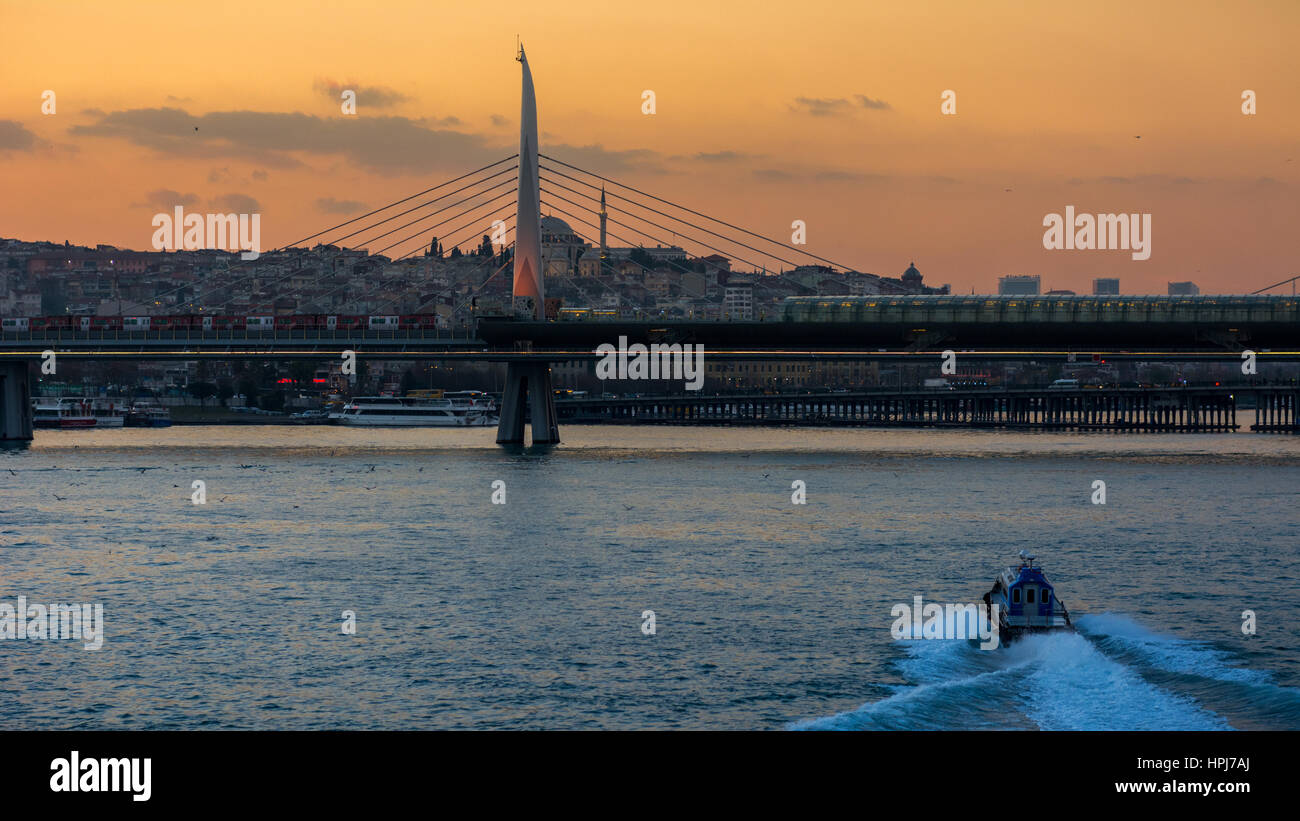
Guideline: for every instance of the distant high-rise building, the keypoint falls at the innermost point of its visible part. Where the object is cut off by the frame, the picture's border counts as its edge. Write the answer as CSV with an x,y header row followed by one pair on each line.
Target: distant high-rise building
x,y
1105,286
1183,289
738,301
1019,285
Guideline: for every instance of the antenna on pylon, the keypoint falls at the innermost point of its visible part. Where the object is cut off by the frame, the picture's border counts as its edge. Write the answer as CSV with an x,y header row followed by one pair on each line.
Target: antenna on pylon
x,y
519,49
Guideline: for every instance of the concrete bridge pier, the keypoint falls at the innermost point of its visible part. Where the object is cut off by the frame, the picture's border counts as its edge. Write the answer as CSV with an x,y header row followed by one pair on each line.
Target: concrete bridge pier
x,y
15,402
530,383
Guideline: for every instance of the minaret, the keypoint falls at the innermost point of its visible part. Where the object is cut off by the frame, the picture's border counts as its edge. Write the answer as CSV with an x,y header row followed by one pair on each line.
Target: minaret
x,y
603,248
528,238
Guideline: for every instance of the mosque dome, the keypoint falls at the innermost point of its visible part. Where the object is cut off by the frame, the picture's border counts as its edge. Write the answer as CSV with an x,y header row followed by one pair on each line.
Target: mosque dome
x,y
555,226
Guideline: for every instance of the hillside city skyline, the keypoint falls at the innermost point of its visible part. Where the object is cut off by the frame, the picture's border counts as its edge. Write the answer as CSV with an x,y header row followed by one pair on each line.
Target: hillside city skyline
x,y
944,134
47,278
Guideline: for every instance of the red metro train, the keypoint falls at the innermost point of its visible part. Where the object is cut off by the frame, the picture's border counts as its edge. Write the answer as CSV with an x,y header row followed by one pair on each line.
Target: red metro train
x,y
202,322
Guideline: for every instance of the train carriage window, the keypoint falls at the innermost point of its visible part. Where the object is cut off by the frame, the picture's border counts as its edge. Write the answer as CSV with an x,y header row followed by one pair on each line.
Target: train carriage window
x,y
1029,595
1015,596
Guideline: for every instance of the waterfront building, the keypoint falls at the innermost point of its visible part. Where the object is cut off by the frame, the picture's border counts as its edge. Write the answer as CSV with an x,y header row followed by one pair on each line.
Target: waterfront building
x,y
1019,285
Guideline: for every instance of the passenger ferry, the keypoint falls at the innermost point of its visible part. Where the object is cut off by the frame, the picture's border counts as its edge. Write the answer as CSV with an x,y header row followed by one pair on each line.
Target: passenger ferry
x,y
52,412
1027,603
148,415
109,413
419,411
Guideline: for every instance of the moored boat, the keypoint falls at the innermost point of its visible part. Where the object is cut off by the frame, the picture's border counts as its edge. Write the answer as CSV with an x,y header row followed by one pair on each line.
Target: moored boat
x,y
1027,602
148,415
418,411
109,413
64,414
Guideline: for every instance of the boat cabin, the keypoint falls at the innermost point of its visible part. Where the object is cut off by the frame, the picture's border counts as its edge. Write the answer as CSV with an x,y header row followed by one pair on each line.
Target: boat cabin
x,y
1029,594
1027,600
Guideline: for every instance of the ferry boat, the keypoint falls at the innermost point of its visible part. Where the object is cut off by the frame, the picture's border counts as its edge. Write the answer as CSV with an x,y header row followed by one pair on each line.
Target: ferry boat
x,y
50,412
1027,602
419,411
148,415
108,413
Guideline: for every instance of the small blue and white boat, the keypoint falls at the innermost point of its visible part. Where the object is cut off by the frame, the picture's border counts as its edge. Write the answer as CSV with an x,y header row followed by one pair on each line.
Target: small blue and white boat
x,y
1026,601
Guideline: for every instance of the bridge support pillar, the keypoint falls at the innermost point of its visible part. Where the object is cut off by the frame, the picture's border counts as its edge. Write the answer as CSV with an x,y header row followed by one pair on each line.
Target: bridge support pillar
x,y
530,383
15,402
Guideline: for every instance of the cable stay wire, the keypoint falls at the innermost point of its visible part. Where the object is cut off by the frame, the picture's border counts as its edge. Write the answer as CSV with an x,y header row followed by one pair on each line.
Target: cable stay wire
x,y
612,290
593,226
623,300
474,291
478,288
731,254
452,232
468,237
572,216
426,216
445,293
1275,285
691,211
295,244
657,239
419,233
475,222
399,202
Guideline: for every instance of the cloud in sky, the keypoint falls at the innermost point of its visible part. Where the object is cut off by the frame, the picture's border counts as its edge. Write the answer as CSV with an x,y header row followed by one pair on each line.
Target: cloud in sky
x,y
838,175
388,145
14,136
820,107
237,203
167,199
603,160
820,175
329,205
722,156
367,96
836,106
867,102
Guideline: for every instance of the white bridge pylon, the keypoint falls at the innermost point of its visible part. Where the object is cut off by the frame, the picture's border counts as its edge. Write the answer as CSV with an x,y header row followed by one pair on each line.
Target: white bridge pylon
x,y
528,390
528,283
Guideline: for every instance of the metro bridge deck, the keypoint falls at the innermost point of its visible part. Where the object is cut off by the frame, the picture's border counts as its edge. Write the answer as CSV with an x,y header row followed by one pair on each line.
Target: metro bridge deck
x,y
501,340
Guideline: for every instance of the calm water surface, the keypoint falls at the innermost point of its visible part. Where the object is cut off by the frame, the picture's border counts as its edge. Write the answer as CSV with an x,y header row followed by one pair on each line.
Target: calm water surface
x,y
528,614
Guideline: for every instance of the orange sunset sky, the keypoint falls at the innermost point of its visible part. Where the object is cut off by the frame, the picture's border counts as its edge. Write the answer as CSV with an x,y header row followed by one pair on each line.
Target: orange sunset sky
x,y
766,113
